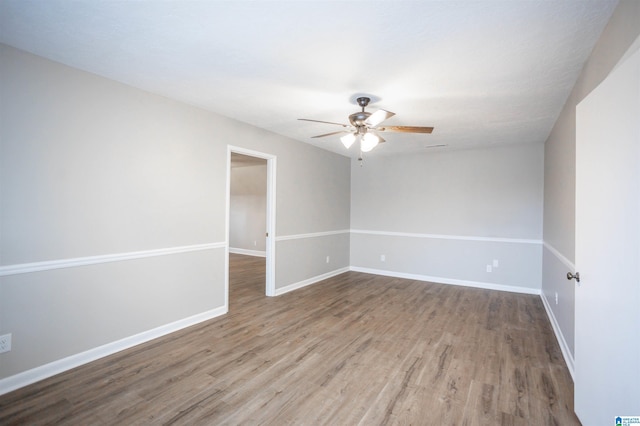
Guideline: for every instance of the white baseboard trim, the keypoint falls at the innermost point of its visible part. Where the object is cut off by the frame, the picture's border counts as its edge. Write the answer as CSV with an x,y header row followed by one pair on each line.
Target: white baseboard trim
x,y
566,353
256,253
442,280
56,367
310,281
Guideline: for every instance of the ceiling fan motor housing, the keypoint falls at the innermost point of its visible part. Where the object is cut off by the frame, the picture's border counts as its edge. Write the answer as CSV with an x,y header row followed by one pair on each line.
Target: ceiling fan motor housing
x,y
358,118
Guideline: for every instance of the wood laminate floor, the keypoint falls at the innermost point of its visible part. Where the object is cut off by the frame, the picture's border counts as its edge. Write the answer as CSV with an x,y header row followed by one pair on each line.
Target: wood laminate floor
x,y
354,349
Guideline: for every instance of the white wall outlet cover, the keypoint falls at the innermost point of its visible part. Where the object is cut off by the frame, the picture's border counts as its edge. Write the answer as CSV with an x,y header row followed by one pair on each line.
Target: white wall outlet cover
x,y
495,263
489,268
327,259
5,343
382,258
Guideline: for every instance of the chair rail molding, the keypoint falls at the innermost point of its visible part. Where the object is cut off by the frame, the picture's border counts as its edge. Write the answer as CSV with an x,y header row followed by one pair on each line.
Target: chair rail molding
x,y
24,268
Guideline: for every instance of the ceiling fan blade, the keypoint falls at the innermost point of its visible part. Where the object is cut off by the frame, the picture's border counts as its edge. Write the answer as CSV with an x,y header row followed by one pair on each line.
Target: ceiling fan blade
x,y
329,134
380,138
325,122
405,129
378,117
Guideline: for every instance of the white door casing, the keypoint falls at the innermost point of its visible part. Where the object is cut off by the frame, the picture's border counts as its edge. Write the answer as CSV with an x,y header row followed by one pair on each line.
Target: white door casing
x,y
270,232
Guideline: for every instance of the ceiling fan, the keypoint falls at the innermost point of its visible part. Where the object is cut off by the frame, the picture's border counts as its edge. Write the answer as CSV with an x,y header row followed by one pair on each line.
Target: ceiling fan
x,y
364,127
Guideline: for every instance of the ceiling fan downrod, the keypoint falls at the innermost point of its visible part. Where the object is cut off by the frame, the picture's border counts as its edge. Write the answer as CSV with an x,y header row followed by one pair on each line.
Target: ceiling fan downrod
x,y
358,119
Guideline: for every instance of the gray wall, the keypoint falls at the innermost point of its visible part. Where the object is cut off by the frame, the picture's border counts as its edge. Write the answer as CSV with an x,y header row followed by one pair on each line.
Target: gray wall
x,y
93,169
446,215
96,177
559,170
248,208
321,205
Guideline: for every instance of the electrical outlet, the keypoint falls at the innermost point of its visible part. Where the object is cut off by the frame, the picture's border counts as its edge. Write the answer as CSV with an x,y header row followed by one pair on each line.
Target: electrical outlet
x,y
489,268
495,263
5,343
327,259
556,297
255,243
382,258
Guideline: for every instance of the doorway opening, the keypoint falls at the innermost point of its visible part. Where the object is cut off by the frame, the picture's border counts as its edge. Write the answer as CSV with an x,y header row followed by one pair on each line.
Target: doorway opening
x,y
250,212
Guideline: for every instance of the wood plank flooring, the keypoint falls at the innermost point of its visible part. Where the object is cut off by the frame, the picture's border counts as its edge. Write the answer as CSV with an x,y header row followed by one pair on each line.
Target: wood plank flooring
x,y
354,349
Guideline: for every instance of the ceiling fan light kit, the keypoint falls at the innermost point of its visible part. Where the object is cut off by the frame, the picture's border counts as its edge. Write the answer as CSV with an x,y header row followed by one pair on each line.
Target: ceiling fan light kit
x,y
368,142
363,127
348,140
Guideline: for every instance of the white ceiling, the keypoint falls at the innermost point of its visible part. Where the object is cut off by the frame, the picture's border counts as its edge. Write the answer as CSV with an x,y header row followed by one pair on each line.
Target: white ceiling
x,y
480,72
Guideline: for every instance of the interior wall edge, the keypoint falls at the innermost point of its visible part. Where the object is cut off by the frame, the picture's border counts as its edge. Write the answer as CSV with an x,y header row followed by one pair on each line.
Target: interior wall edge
x,y
304,259
559,295
454,260
42,372
312,280
448,281
557,331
